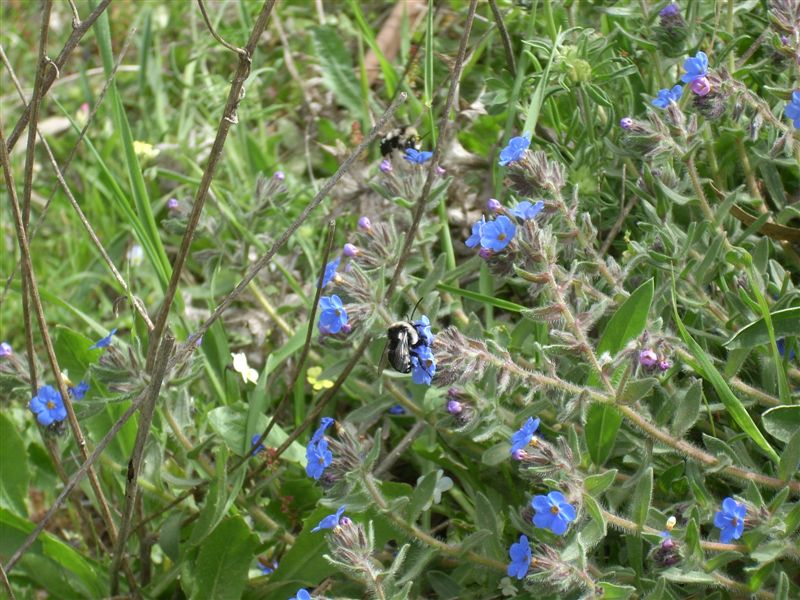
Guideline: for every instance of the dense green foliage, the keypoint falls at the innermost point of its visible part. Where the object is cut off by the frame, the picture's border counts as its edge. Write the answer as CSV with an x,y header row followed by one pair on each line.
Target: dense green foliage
x,y
613,371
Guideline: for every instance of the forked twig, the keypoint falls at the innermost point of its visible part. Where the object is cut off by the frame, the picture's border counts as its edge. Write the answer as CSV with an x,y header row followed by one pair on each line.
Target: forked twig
x,y
215,35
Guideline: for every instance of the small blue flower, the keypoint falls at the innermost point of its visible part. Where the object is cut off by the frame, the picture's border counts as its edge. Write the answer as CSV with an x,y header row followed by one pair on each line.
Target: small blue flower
x,y
497,234
515,150
79,391
318,458
330,271
475,238
267,569
792,109
256,449
553,512
670,10
5,349
524,435
417,157
666,96
397,409
104,342
526,210
781,344
695,68
730,520
301,594
333,315
324,423
423,327
520,554
330,521
423,365
48,406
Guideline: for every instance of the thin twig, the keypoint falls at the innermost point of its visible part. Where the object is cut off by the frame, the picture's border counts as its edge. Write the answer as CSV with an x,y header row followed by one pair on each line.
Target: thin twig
x,y
135,462
186,348
400,448
7,584
506,39
215,35
77,33
437,151
612,234
229,117
27,270
73,481
137,304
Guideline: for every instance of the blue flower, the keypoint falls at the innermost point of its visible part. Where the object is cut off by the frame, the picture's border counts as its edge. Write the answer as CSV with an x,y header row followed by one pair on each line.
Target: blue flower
x,y
5,349
526,210
330,521
324,423
792,109
330,271
520,554
333,316
666,96
670,10
553,512
104,342
730,520
256,449
267,569
497,234
318,458
781,344
515,150
417,157
423,365
79,391
475,238
423,327
695,68
524,435
397,409
301,594
48,406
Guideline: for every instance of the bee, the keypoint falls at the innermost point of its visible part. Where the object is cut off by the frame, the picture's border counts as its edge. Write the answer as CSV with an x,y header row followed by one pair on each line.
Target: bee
x,y
403,337
400,138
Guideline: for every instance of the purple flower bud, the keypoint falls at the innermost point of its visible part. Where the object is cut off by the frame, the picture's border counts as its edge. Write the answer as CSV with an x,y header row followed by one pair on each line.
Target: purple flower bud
x,y
439,170
785,40
198,342
350,251
701,86
485,253
454,407
5,349
518,454
626,123
173,203
670,10
493,205
648,358
664,365
386,166
668,544
279,175
345,522
347,328
453,393
364,224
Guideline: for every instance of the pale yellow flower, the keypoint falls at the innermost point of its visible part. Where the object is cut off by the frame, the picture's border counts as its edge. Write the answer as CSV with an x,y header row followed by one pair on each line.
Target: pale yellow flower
x,y
319,384
240,366
144,150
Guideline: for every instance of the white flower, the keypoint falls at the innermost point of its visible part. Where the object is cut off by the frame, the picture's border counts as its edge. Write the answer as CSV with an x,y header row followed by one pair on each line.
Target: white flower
x,y
135,255
240,366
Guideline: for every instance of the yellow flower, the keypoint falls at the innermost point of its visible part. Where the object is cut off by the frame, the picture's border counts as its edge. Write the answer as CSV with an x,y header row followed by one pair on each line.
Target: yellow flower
x,y
240,366
319,384
144,150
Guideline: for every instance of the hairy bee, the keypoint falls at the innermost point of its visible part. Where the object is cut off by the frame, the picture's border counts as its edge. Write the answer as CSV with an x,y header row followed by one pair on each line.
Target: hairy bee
x,y
400,138
403,337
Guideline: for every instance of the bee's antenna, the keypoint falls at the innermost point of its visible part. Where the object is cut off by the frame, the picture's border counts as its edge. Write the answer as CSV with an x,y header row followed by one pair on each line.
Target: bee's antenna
x,y
415,308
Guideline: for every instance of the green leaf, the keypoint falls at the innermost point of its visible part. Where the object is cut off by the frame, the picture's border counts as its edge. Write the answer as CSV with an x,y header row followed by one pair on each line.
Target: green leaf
x,y
593,508
642,495
612,591
423,493
790,458
72,351
602,424
482,298
444,586
14,472
597,484
337,67
231,424
220,572
688,409
220,497
781,422
708,371
496,454
636,389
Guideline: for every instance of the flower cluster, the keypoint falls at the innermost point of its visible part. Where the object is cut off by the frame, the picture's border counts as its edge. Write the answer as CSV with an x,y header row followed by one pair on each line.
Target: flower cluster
x,y
651,361
318,457
423,363
696,76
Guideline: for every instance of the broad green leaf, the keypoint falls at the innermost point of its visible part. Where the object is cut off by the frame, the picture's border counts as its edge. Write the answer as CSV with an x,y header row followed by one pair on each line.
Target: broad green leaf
x,y
708,371
231,424
597,484
687,410
628,322
444,586
613,591
220,497
13,468
781,422
220,572
636,389
642,495
337,67
72,351
482,298
496,454
790,457
423,493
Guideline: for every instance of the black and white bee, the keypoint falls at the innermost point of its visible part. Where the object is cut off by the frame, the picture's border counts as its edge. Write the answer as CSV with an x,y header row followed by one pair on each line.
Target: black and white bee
x,y
403,337
400,138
